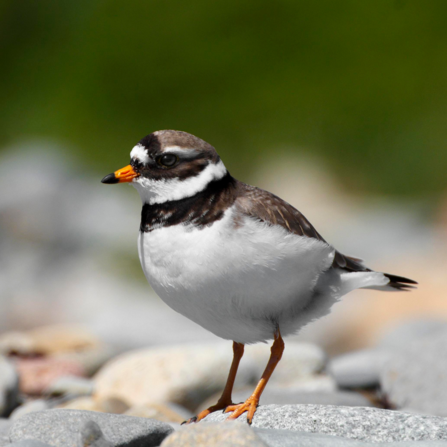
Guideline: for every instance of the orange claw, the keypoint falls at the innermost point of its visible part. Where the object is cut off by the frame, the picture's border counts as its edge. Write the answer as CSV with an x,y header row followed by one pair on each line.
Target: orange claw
x,y
249,405
221,405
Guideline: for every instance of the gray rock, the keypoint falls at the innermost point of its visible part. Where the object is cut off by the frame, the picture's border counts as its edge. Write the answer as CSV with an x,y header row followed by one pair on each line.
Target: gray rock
x,y
288,438
400,336
30,407
5,425
300,361
9,386
92,436
62,428
359,369
72,385
364,424
285,396
91,359
214,435
29,443
416,379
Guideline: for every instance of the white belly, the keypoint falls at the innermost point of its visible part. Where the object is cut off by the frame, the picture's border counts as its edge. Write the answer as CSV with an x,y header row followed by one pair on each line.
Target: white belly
x,y
239,281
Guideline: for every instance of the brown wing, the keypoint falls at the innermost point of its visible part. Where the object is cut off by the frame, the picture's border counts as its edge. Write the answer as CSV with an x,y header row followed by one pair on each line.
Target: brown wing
x,y
267,207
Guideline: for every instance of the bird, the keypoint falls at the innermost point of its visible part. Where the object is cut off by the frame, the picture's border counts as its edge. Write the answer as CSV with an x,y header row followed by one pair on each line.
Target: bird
x,y
235,259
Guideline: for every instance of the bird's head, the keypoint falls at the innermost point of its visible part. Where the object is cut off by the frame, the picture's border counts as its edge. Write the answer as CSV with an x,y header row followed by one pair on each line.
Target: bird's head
x,y
170,165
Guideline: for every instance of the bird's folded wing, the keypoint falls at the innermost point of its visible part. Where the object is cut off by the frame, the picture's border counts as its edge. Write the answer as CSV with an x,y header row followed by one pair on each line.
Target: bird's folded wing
x,y
266,207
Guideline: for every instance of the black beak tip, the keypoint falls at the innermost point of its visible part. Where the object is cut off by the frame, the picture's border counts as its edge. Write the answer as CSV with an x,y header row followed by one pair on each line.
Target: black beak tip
x,y
110,179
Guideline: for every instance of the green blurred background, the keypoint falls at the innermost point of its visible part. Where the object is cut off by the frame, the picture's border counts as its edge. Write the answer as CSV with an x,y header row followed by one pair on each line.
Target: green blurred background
x,y
361,84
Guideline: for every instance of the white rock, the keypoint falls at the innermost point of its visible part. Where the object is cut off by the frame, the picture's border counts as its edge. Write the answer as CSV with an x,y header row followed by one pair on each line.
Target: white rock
x,y
298,363
358,369
183,374
77,386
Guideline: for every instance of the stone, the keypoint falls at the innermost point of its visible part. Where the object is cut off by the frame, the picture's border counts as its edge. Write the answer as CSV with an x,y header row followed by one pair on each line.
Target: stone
x,y
30,407
110,405
401,335
59,338
299,361
71,385
37,374
284,396
92,436
214,435
289,438
16,343
363,424
185,374
47,340
318,383
113,405
5,425
166,412
86,403
91,359
29,443
62,428
358,369
415,378
289,396
9,386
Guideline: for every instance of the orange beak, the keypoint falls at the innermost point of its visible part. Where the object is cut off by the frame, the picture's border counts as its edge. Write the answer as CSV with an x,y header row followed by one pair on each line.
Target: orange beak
x,y
124,175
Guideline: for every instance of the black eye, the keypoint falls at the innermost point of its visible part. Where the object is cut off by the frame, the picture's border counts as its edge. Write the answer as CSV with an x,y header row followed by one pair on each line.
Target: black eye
x,y
167,160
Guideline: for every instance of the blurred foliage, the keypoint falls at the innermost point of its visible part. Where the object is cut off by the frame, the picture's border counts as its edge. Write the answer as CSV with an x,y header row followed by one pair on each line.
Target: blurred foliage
x,y
360,83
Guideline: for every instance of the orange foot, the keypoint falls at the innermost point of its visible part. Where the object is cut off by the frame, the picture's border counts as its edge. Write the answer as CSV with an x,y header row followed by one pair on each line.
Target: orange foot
x,y
203,414
249,405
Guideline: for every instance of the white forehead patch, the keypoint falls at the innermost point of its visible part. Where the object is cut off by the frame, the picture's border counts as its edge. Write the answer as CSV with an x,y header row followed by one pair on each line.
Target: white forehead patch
x,y
179,150
164,190
139,152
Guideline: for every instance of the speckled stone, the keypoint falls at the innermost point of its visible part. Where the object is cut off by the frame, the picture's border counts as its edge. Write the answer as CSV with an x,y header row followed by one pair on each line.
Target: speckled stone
x,y
365,424
62,428
284,396
30,407
5,425
289,438
214,435
92,436
29,443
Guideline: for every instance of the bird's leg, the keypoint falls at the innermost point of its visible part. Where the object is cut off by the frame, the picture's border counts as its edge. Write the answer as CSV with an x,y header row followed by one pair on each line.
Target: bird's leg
x,y
252,402
225,399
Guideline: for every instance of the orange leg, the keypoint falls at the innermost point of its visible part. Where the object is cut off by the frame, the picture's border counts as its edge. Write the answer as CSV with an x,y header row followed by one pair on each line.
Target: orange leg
x,y
225,399
252,402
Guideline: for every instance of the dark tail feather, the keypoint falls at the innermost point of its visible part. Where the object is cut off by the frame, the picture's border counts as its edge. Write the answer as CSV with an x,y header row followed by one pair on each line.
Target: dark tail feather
x,y
399,282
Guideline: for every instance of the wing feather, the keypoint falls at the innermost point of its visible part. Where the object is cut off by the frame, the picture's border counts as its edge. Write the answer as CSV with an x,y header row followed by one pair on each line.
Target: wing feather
x,y
266,207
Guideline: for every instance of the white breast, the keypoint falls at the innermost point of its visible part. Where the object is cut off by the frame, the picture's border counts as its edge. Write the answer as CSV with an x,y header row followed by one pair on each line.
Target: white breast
x,y
238,279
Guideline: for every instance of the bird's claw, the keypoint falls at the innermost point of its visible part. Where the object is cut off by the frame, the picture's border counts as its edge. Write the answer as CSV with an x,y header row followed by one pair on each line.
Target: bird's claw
x,y
203,414
190,420
248,406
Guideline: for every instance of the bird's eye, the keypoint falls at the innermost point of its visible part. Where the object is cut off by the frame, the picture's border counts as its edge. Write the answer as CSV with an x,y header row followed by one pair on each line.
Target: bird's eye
x,y
167,160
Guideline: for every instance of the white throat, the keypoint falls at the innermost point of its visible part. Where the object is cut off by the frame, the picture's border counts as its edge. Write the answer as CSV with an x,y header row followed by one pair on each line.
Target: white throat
x,y
159,191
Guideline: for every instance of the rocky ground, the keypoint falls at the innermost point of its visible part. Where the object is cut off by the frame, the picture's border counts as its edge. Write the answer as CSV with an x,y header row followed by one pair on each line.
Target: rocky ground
x,y
61,386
